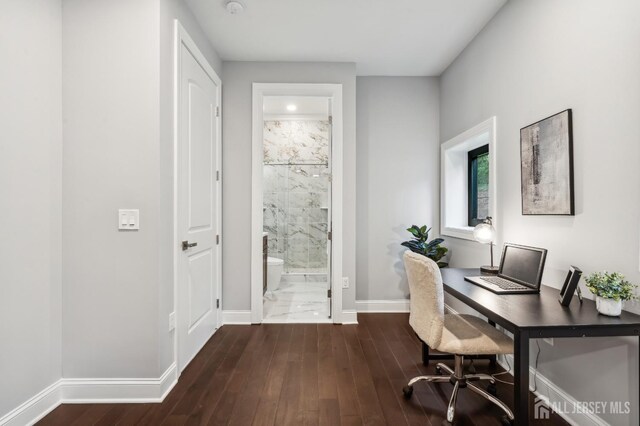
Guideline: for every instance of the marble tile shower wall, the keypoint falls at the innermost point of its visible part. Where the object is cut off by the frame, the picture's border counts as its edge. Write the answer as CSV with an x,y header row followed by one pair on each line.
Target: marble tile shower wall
x,y
296,195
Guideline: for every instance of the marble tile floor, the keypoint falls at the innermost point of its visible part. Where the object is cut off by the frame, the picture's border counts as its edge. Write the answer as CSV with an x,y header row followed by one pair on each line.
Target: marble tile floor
x,y
297,302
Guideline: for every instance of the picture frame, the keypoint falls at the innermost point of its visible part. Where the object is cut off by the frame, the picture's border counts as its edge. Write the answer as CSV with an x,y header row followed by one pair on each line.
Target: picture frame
x,y
546,171
570,285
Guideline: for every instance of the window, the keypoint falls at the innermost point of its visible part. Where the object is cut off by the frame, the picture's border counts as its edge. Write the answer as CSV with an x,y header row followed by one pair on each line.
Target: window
x,y
478,173
468,180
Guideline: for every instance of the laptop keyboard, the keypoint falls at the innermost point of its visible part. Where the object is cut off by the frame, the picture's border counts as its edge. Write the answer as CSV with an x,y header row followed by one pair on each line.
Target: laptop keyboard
x,y
503,284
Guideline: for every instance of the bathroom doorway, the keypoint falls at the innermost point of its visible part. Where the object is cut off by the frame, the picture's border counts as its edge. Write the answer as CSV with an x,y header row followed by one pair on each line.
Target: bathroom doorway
x,y
296,215
294,203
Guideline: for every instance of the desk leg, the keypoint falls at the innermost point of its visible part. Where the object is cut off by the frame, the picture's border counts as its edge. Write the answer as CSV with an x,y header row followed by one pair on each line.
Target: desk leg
x,y
425,354
493,358
521,378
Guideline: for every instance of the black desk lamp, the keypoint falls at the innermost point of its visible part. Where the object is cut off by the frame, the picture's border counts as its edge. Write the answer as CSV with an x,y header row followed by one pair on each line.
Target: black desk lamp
x,y
485,233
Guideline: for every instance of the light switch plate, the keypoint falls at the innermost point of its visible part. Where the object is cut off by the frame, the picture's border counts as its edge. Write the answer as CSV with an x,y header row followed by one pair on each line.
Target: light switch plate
x,y
172,321
129,219
345,282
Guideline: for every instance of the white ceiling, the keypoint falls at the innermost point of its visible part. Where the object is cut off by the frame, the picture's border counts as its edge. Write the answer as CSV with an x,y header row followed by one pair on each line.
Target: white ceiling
x,y
383,37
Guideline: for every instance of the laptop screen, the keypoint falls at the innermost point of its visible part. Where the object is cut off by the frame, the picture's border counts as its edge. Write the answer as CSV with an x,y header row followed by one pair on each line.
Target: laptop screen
x,y
523,264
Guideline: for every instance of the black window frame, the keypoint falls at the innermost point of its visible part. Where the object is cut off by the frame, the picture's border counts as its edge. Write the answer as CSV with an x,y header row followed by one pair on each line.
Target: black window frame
x,y
472,189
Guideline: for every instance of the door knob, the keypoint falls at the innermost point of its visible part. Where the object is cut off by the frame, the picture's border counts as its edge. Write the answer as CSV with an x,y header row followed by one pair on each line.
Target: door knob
x,y
186,245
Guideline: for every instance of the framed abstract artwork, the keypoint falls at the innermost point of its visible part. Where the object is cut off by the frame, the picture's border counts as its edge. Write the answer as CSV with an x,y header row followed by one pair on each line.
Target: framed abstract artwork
x,y
546,154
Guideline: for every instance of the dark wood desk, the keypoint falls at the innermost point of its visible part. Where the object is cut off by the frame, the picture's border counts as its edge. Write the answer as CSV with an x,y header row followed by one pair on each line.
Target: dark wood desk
x,y
535,316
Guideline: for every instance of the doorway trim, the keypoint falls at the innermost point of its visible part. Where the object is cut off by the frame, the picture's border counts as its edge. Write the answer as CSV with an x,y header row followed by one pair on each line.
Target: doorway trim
x,y
182,37
334,92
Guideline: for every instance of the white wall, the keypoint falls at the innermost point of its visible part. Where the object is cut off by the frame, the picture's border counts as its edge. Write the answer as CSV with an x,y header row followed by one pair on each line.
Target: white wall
x,y
536,58
397,177
110,161
30,182
104,68
237,80
118,112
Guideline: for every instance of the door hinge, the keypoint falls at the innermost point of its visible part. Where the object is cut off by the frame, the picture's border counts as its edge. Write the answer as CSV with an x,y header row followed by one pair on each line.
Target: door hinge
x,y
331,119
217,239
329,235
217,303
217,174
217,111
329,293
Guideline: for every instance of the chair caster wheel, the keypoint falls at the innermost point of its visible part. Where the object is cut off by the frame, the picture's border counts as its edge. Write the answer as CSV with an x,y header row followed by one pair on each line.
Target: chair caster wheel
x,y
450,414
407,391
438,370
504,421
491,388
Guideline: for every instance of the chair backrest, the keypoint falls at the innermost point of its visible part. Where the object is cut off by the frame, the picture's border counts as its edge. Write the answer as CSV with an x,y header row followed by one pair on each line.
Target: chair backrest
x,y
427,298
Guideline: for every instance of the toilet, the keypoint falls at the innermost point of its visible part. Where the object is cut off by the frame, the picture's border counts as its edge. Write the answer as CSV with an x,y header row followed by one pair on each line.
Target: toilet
x,y
274,273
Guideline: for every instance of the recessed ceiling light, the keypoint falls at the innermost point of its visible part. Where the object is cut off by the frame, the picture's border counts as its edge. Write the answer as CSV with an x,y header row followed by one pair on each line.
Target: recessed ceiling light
x,y
291,107
234,7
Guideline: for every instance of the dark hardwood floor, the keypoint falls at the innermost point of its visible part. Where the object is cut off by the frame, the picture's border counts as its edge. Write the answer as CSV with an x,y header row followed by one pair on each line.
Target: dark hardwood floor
x,y
303,374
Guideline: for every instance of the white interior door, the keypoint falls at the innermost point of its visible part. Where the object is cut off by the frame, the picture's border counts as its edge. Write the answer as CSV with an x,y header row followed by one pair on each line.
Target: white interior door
x,y
198,217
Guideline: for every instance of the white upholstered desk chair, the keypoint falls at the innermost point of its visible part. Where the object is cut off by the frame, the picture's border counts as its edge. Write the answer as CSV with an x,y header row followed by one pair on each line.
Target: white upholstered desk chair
x,y
456,334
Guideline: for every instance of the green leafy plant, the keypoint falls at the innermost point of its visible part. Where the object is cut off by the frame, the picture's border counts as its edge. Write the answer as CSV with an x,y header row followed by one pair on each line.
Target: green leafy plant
x,y
420,244
611,286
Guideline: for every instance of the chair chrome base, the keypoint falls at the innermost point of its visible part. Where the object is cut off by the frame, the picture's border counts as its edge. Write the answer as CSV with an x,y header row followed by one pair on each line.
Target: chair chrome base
x,y
460,380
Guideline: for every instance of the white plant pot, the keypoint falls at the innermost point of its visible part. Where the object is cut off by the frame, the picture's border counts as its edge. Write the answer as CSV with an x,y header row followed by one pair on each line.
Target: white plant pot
x,y
610,307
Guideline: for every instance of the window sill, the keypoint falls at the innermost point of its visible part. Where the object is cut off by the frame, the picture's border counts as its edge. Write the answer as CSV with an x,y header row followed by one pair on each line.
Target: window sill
x,y
463,232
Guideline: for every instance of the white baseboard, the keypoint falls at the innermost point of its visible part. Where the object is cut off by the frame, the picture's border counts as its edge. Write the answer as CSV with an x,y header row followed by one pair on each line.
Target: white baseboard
x,y
449,310
92,391
399,305
349,316
35,408
244,318
236,317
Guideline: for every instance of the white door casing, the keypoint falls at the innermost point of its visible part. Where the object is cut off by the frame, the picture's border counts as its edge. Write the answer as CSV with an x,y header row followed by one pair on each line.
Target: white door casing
x,y
334,93
198,200
330,213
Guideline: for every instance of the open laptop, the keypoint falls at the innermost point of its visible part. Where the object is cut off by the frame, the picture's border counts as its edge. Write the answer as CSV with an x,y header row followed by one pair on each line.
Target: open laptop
x,y
520,271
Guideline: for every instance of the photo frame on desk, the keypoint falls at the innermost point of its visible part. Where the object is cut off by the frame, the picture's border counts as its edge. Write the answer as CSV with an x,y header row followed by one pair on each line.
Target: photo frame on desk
x,y
570,285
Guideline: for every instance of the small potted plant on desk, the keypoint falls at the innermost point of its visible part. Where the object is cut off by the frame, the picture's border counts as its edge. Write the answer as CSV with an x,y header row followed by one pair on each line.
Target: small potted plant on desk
x,y
611,289
420,244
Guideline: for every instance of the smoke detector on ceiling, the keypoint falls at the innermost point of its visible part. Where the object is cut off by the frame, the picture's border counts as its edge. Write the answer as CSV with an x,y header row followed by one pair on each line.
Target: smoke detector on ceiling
x,y
234,7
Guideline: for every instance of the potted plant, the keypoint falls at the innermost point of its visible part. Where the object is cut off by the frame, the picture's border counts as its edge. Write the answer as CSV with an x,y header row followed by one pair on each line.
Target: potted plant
x,y
420,244
611,289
